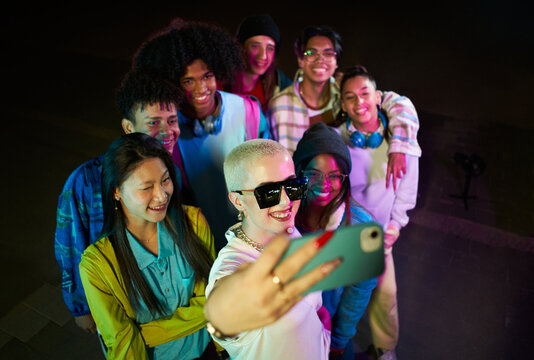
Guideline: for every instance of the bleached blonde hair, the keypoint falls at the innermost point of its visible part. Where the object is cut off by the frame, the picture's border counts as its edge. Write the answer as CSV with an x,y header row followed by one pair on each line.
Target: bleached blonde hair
x,y
235,164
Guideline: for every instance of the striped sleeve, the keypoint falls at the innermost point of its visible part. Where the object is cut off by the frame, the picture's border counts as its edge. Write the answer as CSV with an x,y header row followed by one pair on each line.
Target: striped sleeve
x,y
403,124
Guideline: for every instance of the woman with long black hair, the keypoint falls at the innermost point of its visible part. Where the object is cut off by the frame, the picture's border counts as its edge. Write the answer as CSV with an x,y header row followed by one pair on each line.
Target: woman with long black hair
x,y
145,278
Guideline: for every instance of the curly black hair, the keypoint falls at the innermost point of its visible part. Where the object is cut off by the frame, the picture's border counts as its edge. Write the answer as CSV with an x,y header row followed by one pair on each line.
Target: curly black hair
x,y
140,88
169,52
302,39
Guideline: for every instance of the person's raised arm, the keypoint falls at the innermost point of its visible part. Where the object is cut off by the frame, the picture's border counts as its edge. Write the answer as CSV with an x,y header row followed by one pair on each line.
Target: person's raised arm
x,y
263,289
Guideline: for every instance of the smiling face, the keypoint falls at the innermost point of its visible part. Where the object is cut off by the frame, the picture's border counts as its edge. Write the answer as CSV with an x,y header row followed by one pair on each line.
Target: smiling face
x,y
359,99
157,120
261,224
145,194
259,53
200,86
318,69
325,179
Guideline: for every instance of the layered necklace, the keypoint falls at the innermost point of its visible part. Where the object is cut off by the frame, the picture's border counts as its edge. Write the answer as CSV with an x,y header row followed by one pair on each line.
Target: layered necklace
x,y
241,234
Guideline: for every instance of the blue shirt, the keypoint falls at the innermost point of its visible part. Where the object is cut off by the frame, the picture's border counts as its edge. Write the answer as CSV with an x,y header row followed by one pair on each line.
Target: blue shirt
x,y
171,279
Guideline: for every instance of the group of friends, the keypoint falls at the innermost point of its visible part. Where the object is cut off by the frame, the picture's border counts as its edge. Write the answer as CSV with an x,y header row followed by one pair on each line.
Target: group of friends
x,y
169,243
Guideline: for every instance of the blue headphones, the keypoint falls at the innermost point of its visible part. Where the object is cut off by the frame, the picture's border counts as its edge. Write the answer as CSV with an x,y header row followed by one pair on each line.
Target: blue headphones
x,y
210,125
359,140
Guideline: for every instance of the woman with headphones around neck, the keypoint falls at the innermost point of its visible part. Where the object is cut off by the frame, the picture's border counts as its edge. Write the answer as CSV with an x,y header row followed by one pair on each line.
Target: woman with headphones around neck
x,y
365,133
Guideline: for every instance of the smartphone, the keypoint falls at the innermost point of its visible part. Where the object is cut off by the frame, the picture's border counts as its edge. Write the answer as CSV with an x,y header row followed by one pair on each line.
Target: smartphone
x,y
362,248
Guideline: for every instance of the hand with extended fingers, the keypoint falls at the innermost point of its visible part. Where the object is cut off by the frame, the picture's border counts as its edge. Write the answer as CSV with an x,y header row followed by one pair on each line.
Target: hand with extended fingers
x,y
396,168
259,293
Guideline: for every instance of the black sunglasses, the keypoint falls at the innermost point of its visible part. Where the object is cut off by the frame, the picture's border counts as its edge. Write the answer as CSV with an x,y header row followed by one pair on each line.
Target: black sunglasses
x,y
269,194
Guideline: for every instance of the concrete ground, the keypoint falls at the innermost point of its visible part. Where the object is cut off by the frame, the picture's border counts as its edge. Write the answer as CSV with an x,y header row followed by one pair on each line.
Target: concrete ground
x,y
464,275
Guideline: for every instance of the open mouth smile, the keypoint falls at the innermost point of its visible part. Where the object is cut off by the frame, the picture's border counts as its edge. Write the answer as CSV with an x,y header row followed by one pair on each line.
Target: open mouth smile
x,y
159,207
281,216
321,195
167,141
201,99
260,63
361,111
319,70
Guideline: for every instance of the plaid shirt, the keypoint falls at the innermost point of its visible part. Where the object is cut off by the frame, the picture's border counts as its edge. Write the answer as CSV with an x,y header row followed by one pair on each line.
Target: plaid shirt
x,y
288,118
288,114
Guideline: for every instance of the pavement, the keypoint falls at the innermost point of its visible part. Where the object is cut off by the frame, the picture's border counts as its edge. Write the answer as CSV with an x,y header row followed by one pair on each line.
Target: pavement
x,y
464,274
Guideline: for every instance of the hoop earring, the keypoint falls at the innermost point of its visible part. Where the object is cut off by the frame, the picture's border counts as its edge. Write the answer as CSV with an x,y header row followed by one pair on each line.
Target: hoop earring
x,y
242,215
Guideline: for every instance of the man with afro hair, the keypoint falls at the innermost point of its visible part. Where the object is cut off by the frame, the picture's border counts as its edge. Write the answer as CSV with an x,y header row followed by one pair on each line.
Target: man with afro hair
x,y
200,57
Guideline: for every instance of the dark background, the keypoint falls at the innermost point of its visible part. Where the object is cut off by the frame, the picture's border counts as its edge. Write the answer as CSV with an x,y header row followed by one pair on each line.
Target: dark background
x,y
466,67
470,61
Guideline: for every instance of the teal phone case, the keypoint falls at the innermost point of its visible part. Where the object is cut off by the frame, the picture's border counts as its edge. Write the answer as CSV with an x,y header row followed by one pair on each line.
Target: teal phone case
x,y
362,248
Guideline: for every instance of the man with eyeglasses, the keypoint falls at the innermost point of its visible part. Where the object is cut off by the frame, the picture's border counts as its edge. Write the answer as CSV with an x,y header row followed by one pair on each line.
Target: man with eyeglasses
x,y
315,97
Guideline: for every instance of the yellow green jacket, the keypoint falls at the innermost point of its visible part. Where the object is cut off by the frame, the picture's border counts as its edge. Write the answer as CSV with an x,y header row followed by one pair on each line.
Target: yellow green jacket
x,y
113,314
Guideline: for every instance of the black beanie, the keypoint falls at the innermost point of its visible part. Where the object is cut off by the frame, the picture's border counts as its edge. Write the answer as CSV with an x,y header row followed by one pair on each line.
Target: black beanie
x,y
321,139
258,25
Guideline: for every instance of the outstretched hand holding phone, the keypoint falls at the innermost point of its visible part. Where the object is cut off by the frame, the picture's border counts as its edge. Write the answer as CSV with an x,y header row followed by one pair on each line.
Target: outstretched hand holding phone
x,y
259,293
